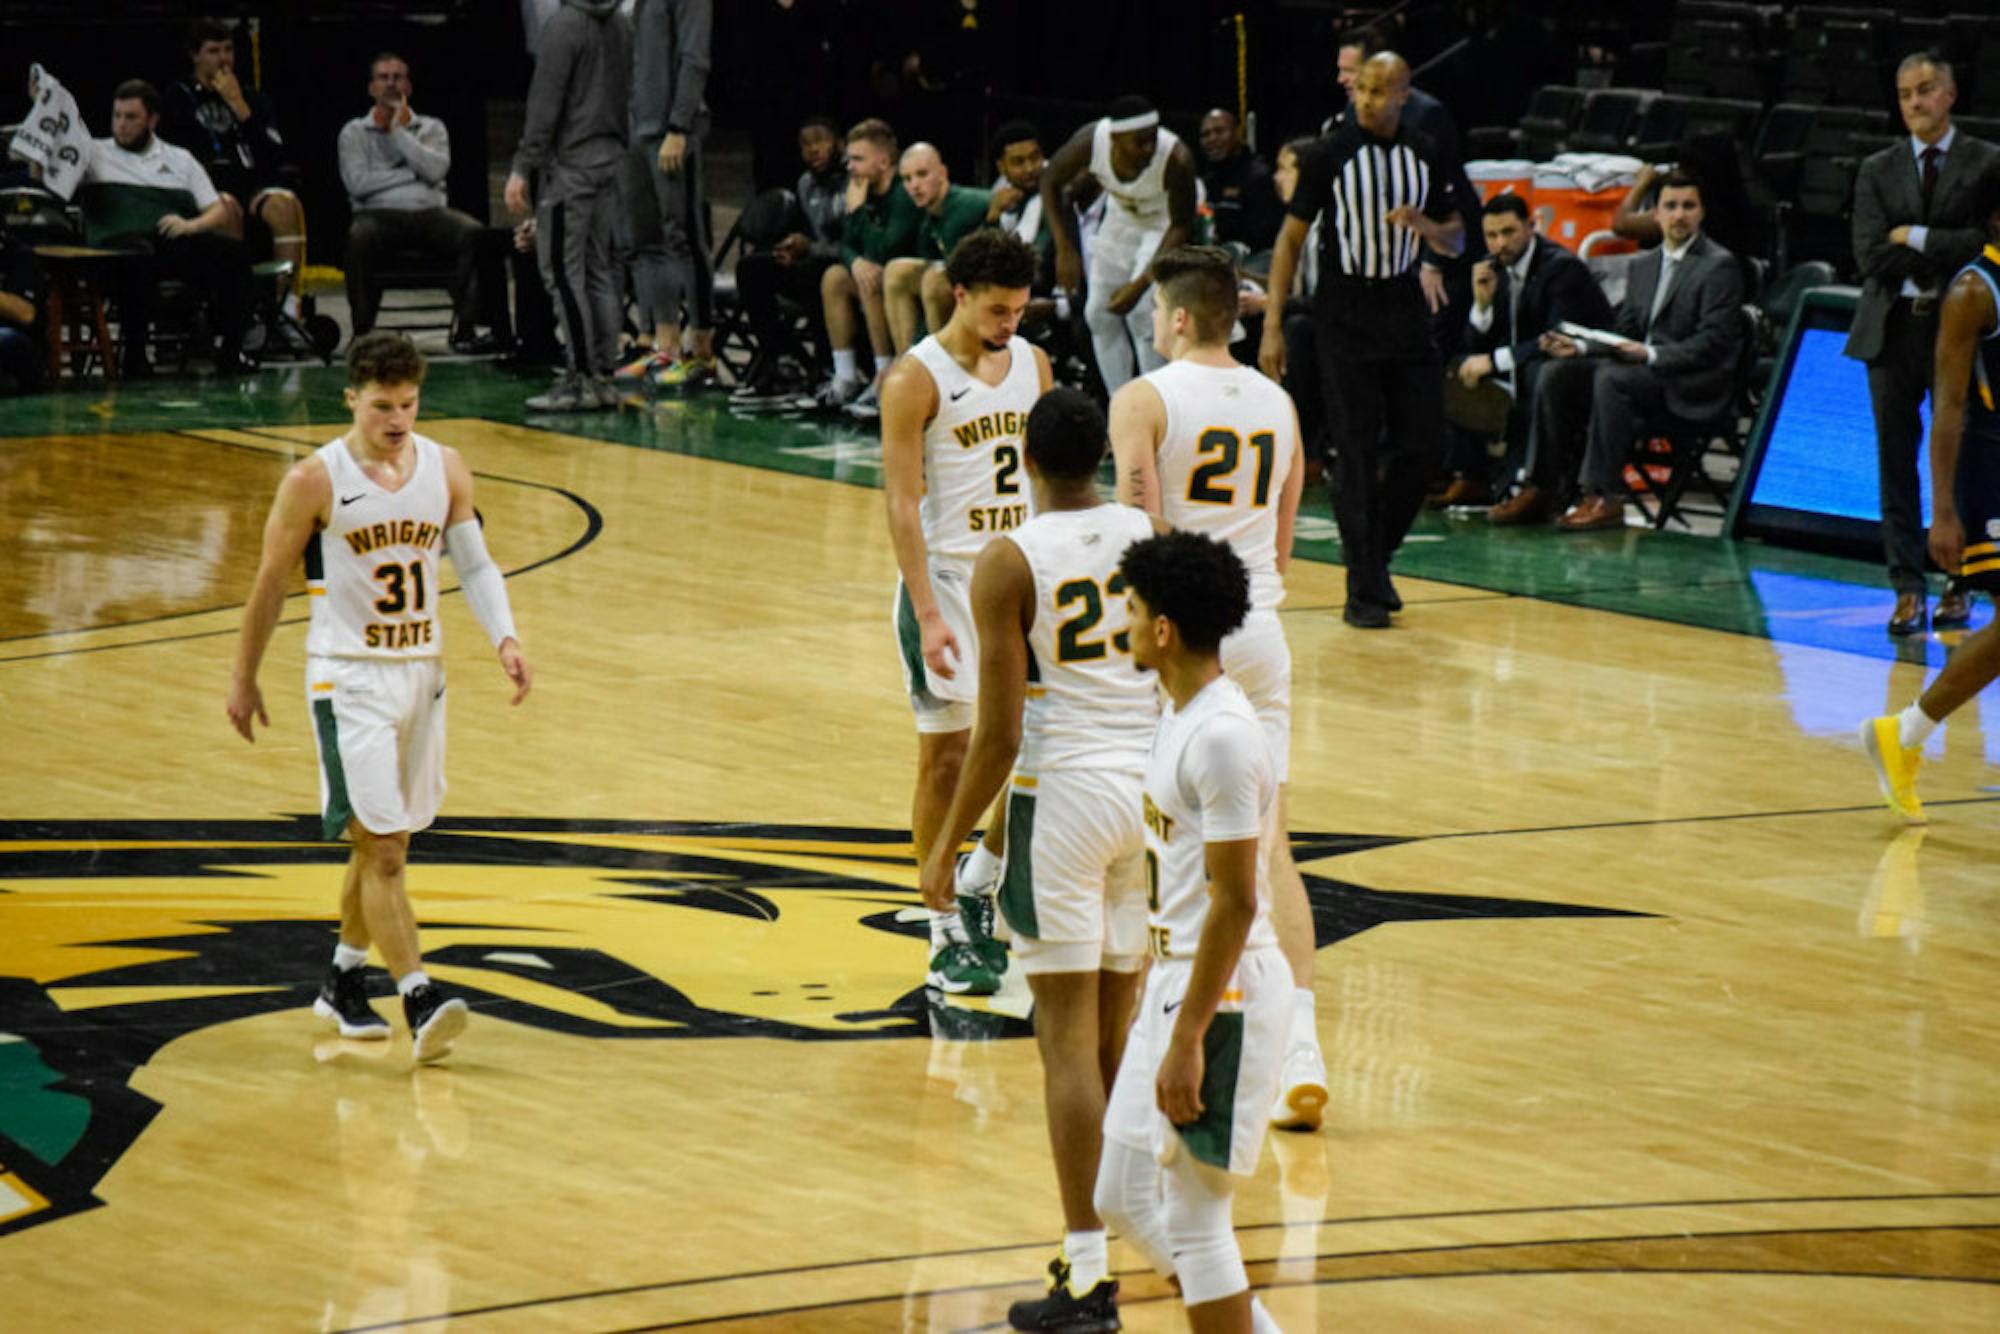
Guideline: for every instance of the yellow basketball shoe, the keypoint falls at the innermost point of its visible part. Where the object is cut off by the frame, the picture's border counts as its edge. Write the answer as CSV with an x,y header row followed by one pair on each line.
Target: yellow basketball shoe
x,y
1895,767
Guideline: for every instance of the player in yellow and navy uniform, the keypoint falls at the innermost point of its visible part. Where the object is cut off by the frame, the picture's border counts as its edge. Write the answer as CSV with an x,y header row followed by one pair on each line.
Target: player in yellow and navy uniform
x,y
1965,506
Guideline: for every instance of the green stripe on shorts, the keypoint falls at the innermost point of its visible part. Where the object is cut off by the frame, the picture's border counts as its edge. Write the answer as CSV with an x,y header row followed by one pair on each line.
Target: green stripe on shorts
x,y
1208,1138
910,638
339,810
1017,885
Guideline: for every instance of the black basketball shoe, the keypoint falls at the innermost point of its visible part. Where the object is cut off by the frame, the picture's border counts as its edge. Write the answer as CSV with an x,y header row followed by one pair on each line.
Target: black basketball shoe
x,y
434,1020
1096,1312
343,999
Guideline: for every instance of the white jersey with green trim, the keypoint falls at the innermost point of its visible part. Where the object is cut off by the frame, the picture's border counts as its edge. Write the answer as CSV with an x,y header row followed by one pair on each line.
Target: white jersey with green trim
x,y
1231,443
974,483
372,572
1088,707
1208,780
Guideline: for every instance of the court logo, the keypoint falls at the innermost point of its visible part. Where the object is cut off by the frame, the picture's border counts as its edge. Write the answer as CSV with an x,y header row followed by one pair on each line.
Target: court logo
x,y
118,939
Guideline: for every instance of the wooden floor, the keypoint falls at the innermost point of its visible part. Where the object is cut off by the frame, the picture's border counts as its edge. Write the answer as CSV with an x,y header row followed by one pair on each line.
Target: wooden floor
x,y
1639,1013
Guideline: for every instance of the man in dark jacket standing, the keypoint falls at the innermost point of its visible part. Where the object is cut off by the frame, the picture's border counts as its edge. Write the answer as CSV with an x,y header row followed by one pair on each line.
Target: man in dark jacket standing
x,y
671,268
1913,229
575,135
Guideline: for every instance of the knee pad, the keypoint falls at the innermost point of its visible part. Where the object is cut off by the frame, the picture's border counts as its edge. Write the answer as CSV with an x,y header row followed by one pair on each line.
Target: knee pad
x,y
1127,1198
1199,1232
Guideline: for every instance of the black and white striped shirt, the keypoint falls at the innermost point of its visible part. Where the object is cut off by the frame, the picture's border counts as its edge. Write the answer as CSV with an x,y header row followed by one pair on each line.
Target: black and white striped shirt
x,y
1353,180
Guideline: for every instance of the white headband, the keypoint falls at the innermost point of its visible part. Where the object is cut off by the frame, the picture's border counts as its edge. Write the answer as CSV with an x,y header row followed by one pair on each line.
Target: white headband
x,y
1145,120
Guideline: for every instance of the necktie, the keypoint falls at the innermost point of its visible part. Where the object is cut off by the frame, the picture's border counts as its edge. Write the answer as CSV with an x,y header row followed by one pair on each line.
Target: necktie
x,y
1660,292
1930,156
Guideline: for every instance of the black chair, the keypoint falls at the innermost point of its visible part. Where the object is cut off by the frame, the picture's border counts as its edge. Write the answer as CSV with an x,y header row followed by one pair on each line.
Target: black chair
x,y
1552,113
1662,125
406,269
769,218
1607,120
1683,448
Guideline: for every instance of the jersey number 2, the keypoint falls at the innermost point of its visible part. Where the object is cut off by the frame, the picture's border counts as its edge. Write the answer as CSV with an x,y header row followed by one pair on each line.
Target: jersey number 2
x,y
402,588
1205,484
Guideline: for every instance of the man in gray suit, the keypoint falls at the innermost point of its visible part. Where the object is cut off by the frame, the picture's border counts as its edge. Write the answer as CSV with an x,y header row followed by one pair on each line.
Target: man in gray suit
x,y
1914,227
1682,329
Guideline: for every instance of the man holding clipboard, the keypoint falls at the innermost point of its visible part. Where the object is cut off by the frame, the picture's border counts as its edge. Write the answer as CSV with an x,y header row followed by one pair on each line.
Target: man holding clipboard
x,y
1672,348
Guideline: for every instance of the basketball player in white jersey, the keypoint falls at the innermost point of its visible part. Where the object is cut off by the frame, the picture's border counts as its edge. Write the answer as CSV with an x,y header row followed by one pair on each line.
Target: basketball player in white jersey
x,y
1148,177
1186,1116
952,413
1062,707
1213,445
367,515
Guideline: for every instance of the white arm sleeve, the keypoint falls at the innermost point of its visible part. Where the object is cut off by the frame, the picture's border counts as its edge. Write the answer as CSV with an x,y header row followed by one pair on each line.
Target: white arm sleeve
x,y
485,588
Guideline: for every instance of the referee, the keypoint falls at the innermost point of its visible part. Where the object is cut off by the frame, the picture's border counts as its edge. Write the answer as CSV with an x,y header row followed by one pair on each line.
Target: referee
x,y
1384,191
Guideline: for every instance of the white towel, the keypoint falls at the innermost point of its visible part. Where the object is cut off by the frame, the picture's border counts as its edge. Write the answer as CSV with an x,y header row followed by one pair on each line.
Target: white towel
x,y
53,135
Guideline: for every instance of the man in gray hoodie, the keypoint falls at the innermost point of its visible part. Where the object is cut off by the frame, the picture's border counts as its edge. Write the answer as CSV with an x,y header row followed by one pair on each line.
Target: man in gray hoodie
x,y
671,268
576,133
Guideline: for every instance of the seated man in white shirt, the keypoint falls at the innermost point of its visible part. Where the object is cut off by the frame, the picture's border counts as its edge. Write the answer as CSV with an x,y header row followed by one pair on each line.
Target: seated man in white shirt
x,y
143,195
394,163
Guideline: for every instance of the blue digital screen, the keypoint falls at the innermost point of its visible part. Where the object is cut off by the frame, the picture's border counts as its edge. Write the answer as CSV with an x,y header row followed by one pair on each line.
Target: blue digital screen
x,y
1820,454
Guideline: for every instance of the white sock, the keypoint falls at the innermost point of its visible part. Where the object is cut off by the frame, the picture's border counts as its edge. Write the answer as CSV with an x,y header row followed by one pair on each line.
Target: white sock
x,y
981,868
347,958
1260,1319
1915,726
946,929
1089,1256
411,980
1305,1018
843,365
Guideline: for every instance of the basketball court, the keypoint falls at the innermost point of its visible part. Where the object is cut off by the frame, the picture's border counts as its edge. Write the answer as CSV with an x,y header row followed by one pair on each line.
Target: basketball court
x,y
1639,1011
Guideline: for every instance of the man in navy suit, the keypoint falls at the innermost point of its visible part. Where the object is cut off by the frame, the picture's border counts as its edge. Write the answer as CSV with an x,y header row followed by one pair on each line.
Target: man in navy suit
x,y
1525,287
1914,227
1681,330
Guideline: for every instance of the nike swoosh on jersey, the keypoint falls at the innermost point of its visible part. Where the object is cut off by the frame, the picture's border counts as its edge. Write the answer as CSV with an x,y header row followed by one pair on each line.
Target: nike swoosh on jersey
x,y
961,393
349,500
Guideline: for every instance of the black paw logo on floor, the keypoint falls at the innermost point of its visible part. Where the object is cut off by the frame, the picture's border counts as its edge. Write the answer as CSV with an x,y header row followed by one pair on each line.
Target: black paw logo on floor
x,y
121,938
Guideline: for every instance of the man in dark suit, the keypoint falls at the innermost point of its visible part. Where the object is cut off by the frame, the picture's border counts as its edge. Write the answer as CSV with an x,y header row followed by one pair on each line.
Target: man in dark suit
x,y
1681,327
1913,228
1524,288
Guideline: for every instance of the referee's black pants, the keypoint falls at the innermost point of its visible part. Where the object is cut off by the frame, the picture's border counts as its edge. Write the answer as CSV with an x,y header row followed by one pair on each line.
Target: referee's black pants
x,y
1385,417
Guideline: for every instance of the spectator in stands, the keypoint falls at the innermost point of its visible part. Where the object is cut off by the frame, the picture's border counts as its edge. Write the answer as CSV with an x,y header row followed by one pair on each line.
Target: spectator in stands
x,y
1015,202
1240,195
794,265
1914,227
22,338
949,213
233,134
144,195
667,214
1525,286
393,163
1681,330
578,122
880,225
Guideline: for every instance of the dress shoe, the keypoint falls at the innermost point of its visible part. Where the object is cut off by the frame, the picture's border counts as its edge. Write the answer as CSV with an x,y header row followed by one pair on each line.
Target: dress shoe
x,y
1593,514
1953,610
1908,618
1528,505
475,344
1462,491
1366,615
